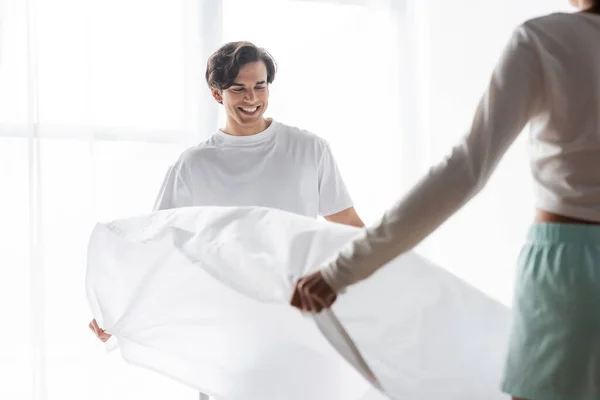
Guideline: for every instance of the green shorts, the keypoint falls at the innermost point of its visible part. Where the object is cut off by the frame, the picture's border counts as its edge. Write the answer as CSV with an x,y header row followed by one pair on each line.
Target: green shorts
x,y
554,349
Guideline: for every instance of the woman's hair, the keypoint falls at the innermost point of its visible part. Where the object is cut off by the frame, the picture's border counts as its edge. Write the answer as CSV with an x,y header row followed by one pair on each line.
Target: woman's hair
x,y
224,65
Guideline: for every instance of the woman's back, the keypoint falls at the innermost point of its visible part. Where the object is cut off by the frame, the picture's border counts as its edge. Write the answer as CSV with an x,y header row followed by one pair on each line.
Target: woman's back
x,y
565,146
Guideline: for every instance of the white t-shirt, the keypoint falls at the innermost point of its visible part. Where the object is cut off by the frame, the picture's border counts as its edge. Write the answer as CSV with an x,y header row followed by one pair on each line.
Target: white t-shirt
x,y
548,76
282,167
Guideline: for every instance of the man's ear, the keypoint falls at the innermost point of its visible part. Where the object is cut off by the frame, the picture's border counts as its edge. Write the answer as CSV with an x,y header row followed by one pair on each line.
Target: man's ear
x,y
217,94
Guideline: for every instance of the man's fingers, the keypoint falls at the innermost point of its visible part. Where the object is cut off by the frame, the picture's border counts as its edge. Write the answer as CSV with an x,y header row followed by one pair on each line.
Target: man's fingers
x,y
103,336
94,327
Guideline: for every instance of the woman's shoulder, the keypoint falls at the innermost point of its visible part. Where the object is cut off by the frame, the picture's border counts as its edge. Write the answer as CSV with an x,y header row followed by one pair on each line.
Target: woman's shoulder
x,y
559,21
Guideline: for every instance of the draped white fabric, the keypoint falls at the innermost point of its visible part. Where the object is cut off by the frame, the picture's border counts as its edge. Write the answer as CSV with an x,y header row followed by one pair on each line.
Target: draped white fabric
x,y
201,295
97,98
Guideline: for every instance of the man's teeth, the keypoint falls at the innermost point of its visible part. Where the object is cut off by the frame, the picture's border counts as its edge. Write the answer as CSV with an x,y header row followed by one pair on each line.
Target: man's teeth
x,y
250,110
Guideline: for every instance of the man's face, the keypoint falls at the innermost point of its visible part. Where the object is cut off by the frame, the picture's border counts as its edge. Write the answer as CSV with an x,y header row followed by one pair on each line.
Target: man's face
x,y
581,4
246,101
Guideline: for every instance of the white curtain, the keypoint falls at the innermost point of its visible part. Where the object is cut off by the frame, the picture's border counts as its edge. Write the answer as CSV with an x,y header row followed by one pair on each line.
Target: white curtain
x,y
97,98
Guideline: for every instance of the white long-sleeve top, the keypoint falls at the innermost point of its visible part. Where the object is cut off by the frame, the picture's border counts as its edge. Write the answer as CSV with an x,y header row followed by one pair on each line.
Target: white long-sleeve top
x,y
548,76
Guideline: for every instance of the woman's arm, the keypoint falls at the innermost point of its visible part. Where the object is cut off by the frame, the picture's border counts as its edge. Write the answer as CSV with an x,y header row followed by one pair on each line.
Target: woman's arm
x,y
512,98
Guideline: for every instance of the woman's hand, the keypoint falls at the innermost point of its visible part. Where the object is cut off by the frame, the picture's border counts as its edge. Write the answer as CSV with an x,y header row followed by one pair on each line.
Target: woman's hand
x,y
313,294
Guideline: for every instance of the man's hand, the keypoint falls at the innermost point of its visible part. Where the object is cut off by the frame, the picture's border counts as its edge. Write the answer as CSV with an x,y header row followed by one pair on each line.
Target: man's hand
x,y
313,294
99,332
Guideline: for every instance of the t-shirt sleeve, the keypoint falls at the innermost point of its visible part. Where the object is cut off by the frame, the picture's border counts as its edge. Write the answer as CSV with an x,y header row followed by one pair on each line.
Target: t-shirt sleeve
x,y
512,98
175,191
333,193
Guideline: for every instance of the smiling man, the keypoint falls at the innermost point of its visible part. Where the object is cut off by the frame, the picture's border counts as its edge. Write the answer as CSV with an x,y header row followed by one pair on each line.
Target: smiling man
x,y
253,161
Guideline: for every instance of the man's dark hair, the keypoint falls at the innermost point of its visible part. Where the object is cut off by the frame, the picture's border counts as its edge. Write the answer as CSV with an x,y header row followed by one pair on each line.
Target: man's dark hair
x,y
224,65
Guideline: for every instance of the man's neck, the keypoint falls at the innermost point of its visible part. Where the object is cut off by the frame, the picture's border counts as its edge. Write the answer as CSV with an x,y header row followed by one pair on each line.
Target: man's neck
x,y
235,129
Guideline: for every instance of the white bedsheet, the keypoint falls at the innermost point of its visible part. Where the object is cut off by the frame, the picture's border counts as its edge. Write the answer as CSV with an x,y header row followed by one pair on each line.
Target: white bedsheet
x,y
201,295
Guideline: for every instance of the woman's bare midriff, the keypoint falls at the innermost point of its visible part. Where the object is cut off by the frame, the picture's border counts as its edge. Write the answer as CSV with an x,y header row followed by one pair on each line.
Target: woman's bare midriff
x,y
546,216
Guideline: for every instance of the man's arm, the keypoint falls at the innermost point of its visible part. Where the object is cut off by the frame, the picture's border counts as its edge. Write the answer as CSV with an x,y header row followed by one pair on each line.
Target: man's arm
x,y
333,193
348,216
